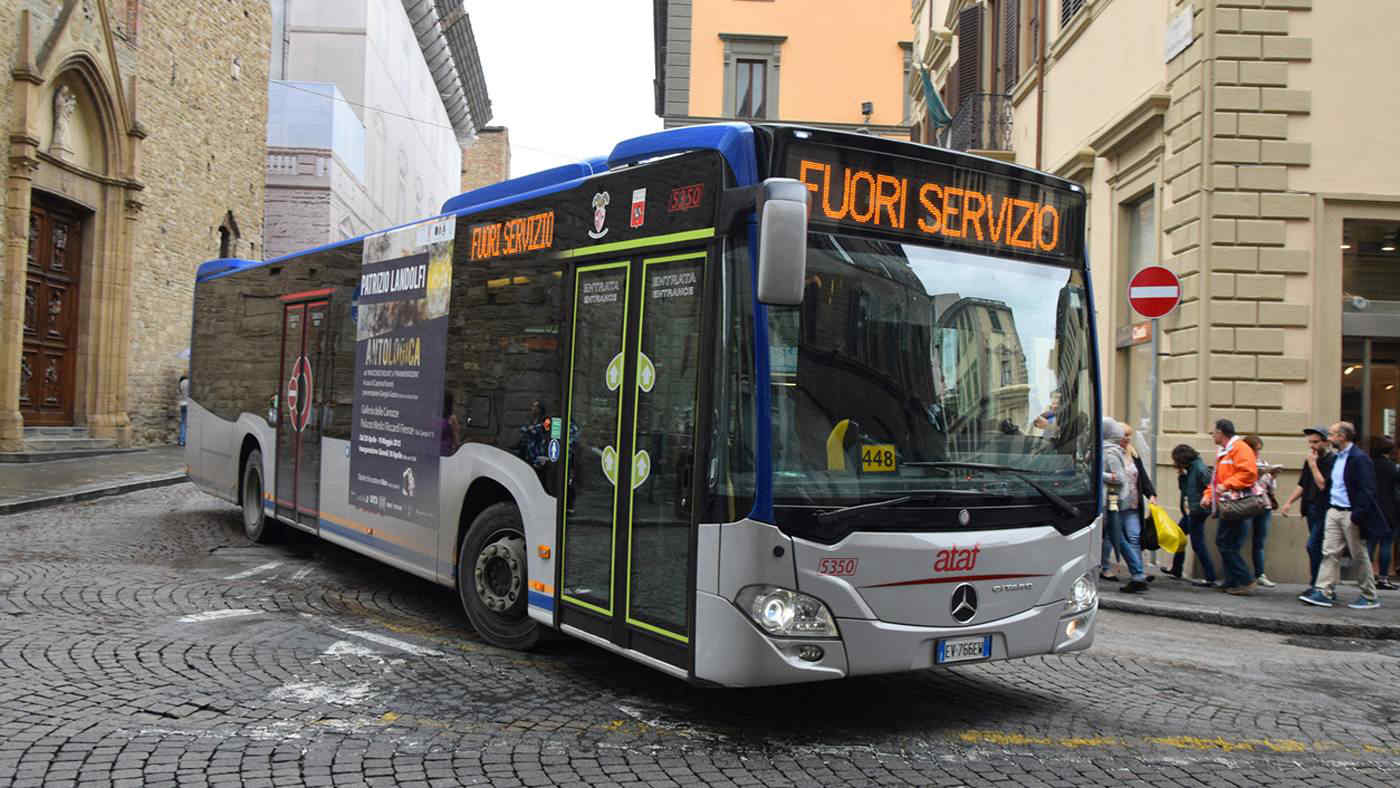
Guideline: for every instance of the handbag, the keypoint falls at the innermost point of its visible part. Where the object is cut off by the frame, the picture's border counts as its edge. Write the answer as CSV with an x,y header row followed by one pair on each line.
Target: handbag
x,y
1148,538
1242,504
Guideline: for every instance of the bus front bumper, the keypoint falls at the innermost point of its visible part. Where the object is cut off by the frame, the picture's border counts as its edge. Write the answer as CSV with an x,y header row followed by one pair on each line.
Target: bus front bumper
x,y
731,651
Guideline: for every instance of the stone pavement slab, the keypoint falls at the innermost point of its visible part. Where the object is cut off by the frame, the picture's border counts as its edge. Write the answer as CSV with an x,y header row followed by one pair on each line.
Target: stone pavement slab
x,y
32,485
1268,609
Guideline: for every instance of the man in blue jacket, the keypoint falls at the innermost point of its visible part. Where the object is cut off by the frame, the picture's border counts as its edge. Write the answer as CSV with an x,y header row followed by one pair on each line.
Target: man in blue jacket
x,y
1353,512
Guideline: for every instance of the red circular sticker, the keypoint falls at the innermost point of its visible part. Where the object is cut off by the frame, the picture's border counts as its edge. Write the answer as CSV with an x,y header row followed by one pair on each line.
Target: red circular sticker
x,y
299,394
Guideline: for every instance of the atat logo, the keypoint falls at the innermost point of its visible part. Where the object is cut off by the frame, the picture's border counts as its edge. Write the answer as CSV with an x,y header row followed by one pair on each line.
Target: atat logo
x,y
956,559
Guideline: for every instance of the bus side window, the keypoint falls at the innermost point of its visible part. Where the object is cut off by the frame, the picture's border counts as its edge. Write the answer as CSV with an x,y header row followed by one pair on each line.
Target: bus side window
x,y
478,415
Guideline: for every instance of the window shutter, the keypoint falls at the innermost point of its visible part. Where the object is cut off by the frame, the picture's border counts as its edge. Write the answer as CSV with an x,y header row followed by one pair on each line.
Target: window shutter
x,y
1068,8
969,53
1011,38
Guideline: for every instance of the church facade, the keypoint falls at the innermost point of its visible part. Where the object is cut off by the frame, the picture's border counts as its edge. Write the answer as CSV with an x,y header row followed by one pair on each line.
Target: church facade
x,y
137,136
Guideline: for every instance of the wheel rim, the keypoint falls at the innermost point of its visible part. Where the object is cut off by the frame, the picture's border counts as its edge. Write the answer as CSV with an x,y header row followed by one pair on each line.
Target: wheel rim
x,y
500,572
252,500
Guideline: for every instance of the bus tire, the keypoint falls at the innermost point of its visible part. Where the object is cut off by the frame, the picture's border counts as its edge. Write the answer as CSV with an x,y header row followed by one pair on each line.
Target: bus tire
x,y
257,526
491,578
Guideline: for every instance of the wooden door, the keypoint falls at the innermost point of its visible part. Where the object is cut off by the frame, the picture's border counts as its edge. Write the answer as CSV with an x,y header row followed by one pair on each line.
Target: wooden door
x,y
49,355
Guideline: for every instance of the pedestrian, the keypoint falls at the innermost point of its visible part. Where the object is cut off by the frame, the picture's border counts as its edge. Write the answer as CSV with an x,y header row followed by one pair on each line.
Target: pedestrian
x,y
1120,476
1385,494
1112,532
183,390
1148,492
1259,524
1312,483
1353,512
1192,478
1235,477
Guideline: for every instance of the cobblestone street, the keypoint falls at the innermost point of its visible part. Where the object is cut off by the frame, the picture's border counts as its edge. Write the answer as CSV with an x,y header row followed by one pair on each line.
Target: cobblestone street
x,y
144,641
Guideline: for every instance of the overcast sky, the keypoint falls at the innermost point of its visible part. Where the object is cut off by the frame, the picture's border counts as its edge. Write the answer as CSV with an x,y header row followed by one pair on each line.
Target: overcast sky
x,y
569,79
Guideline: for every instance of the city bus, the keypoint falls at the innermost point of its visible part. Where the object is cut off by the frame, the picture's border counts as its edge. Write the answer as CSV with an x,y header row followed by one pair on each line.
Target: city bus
x,y
750,404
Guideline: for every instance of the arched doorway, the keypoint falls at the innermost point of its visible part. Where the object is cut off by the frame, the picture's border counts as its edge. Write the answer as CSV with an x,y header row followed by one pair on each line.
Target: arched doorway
x,y
74,198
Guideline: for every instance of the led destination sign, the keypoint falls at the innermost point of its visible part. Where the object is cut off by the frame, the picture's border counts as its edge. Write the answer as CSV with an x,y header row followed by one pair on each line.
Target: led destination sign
x,y
927,199
513,236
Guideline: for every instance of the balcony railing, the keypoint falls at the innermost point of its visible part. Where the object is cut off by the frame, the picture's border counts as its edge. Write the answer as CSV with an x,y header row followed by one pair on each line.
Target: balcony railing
x,y
983,122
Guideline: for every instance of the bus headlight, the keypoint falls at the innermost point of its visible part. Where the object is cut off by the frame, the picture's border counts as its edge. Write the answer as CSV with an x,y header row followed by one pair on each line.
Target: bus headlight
x,y
1083,595
779,611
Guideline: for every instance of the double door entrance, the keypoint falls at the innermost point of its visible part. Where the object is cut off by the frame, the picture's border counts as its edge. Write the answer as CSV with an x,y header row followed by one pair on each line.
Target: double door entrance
x,y
627,443
305,339
48,360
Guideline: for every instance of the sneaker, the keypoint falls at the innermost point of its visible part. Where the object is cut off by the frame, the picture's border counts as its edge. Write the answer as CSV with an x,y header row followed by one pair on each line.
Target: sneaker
x,y
1362,603
1241,590
1134,587
1385,585
1204,583
1108,577
1171,574
1314,596
1264,581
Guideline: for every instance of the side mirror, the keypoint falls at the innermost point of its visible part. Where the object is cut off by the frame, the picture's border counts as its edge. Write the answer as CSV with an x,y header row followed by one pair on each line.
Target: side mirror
x,y
782,241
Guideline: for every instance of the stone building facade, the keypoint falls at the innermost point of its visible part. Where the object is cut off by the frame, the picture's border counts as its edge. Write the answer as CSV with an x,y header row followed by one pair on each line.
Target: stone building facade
x,y
1245,144
487,160
137,132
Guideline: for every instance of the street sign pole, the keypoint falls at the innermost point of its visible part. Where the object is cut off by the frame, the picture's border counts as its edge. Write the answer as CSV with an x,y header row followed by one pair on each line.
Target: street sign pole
x,y
1153,293
1156,384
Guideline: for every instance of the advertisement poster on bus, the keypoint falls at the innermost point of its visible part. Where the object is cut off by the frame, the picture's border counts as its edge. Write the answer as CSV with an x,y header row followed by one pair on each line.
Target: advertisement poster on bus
x,y
401,315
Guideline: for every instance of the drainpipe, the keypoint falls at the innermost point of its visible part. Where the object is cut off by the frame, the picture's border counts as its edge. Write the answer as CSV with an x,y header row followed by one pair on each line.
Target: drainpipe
x,y
1039,81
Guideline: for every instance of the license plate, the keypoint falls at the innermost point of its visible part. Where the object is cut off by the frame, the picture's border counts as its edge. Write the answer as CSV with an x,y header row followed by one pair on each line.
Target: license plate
x,y
963,649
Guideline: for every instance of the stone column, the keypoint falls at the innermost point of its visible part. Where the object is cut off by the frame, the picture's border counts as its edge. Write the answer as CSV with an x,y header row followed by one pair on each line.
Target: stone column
x,y
23,163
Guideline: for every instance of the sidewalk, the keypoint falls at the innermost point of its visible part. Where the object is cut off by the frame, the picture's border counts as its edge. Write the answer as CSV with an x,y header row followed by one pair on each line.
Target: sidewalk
x,y
32,485
1268,609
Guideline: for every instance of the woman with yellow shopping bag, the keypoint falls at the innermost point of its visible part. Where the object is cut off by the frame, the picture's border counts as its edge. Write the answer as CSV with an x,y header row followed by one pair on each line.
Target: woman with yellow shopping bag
x,y
1192,476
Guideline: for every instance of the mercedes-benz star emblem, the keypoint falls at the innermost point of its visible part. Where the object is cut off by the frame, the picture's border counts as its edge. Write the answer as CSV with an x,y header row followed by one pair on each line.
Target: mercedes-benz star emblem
x,y
964,517
964,604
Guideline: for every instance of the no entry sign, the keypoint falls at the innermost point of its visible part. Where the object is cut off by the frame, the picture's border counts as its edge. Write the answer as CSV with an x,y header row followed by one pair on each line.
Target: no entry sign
x,y
1154,291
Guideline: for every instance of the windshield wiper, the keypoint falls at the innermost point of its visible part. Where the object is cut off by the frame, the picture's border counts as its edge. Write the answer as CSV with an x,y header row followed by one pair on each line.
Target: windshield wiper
x,y
1061,505
850,512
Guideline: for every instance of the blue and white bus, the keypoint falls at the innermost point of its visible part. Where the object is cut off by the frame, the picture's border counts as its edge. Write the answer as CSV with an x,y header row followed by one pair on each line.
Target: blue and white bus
x,y
751,404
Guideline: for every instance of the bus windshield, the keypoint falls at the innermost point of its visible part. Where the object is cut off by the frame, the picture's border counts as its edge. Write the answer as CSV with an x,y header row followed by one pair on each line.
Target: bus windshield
x,y
907,367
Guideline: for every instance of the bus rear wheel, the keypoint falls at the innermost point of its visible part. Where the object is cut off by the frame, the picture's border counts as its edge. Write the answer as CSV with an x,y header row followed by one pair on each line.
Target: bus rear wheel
x,y
492,581
257,526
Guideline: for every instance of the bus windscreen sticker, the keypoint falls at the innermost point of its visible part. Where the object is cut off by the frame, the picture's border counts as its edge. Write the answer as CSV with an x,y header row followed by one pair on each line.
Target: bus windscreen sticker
x,y
400,353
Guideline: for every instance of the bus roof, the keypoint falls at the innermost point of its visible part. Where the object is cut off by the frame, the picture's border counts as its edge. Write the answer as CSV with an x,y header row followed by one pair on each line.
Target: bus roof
x,y
734,141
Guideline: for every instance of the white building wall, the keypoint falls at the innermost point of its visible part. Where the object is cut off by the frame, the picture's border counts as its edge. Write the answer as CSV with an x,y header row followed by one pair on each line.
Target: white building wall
x,y
412,159
420,162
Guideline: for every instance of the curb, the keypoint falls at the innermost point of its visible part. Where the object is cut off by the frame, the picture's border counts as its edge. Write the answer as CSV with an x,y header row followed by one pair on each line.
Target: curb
x,y
1227,618
88,493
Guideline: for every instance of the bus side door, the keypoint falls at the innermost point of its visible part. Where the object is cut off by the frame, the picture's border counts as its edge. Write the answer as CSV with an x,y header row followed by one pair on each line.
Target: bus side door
x,y
627,525
305,332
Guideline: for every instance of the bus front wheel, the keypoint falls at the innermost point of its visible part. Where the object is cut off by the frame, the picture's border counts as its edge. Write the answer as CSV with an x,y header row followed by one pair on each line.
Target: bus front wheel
x,y
491,578
257,526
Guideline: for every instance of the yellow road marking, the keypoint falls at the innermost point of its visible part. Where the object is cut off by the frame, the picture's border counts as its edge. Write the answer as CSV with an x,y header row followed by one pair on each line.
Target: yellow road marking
x,y
1191,743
